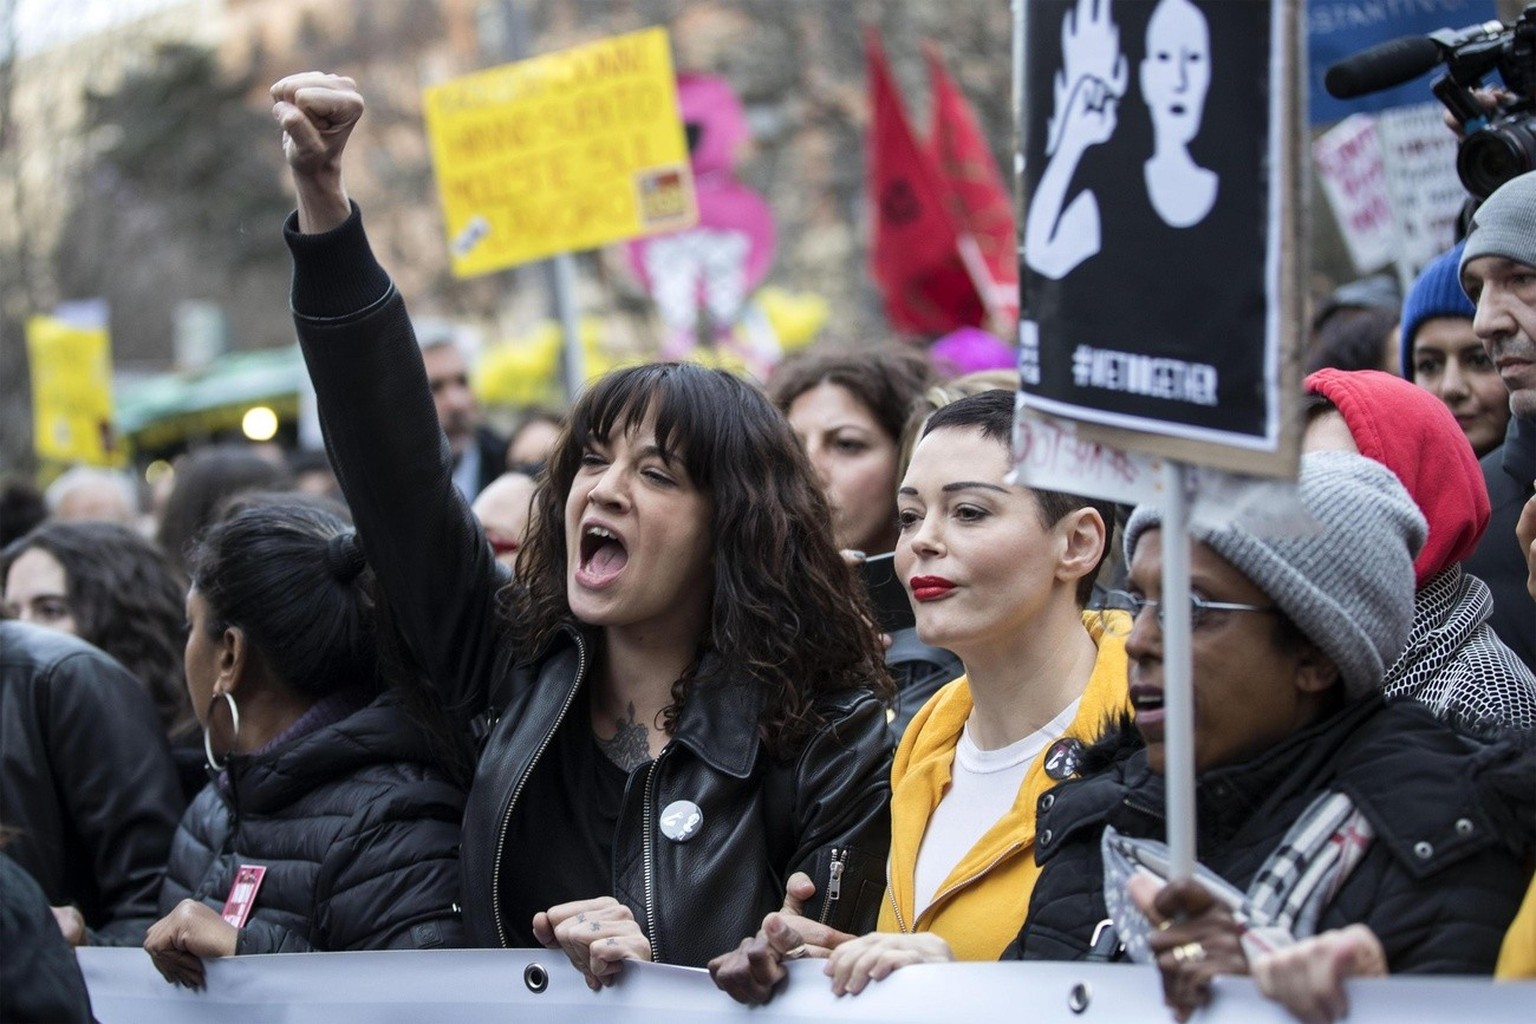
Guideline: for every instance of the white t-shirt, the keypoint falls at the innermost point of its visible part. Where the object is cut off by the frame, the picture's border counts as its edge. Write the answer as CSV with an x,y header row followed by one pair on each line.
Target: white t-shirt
x,y
983,786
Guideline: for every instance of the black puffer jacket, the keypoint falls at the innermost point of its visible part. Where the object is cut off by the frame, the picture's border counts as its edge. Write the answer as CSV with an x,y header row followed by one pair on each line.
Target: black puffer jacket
x,y
85,780
825,812
1453,817
358,831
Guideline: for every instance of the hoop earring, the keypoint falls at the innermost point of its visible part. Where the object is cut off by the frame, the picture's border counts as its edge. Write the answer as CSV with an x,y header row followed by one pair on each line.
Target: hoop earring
x,y
214,764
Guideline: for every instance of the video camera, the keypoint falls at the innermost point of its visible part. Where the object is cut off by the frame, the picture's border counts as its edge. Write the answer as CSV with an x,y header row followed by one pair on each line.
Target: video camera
x,y
1496,146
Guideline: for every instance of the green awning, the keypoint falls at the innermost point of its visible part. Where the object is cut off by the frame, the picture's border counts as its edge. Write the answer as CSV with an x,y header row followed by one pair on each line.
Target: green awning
x,y
214,398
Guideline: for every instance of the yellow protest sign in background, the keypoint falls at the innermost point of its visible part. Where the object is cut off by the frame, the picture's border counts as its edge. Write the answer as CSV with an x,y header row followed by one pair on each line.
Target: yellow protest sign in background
x,y
560,153
72,393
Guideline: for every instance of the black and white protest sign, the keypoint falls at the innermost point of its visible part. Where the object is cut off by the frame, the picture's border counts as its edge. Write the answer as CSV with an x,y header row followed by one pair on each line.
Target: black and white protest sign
x,y
1159,155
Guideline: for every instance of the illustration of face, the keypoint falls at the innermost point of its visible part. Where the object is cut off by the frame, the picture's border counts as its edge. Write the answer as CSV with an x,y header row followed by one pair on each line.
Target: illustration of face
x,y
1176,73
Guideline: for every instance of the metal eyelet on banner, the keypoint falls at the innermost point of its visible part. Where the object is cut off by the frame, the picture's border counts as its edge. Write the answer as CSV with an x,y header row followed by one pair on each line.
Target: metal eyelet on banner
x,y
1079,998
536,978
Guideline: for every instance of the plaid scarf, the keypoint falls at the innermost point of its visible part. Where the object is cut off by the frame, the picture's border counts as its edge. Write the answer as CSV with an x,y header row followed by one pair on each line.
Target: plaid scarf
x,y
1286,898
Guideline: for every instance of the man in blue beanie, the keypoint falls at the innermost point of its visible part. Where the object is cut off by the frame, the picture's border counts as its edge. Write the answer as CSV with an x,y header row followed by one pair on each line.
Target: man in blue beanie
x,y
1498,271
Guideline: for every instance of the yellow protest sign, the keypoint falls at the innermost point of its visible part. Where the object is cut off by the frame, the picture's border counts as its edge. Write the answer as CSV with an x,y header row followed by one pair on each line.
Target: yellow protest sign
x,y
560,153
72,392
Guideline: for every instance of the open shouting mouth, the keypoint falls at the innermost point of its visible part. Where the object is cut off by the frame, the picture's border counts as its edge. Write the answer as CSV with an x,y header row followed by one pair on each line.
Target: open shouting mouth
x,y
602,556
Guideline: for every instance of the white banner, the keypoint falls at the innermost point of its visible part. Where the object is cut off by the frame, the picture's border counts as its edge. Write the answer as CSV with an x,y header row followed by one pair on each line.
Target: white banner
x,y
534,987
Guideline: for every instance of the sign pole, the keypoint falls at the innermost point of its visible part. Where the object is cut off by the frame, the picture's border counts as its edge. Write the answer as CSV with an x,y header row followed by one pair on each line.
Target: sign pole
x,y
562,267
573,365
1178,689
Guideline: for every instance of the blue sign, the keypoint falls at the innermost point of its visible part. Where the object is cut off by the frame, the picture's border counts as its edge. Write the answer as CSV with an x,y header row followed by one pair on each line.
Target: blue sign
x,y
1339,28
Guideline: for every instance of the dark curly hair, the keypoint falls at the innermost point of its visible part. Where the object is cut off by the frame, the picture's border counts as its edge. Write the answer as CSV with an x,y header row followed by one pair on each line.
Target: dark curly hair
x,y
785,609
125,598
886,379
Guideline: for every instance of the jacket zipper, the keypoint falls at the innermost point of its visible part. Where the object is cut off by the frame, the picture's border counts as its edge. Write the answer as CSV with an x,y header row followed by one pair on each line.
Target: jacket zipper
x,y
900,921
506,819
890,891
649,854
945,893
834,882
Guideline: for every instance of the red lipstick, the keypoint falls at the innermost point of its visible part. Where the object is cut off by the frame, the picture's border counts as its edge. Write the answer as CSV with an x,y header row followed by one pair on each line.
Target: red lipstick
x,y
929,588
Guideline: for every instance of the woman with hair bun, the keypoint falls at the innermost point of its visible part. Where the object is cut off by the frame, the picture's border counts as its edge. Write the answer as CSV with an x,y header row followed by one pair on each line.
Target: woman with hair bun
x,y
324,776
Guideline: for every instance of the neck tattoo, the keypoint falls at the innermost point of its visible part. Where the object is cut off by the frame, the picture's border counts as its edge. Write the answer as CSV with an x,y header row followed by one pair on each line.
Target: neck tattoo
x,y
630,745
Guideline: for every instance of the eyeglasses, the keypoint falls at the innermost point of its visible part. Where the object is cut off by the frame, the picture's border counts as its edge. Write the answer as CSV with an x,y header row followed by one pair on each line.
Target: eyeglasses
x,y
1125,601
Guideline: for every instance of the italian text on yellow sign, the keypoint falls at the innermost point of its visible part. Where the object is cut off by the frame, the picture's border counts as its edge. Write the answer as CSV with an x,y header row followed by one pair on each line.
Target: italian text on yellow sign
x,y
71,392
564,152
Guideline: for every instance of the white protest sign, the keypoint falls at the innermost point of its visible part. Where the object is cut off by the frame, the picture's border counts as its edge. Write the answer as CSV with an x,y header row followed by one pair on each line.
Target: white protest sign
x,y
1050,456
1349,165
1418,155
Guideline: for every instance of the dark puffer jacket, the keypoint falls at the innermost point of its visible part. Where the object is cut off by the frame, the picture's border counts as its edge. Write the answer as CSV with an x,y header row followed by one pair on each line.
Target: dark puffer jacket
x,y
824,811
1508,471
358,832
1440,884
86,781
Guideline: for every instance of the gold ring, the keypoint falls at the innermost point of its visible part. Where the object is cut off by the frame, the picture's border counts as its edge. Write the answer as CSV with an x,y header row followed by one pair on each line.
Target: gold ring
x,y
1189,953
797,953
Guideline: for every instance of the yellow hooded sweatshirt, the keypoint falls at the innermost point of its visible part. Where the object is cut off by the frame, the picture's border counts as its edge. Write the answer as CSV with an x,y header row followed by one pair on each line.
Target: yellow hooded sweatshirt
x,y
981,905
1518,958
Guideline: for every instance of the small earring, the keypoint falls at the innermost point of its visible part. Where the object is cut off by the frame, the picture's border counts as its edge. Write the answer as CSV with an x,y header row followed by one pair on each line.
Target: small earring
x,y
214,764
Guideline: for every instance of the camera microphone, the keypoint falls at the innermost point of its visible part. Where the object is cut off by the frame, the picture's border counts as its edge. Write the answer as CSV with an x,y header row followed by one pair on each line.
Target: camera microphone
x,y
1382,66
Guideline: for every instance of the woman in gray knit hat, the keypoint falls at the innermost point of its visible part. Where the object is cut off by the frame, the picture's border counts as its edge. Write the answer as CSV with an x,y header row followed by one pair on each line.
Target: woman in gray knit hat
x,y
1319,803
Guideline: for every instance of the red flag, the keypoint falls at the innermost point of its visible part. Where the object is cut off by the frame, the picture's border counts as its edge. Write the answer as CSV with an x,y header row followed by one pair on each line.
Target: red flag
x,y
978,198
915,255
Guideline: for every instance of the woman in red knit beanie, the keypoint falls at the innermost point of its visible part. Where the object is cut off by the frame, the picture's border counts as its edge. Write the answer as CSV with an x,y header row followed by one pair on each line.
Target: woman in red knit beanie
x,y
1454,662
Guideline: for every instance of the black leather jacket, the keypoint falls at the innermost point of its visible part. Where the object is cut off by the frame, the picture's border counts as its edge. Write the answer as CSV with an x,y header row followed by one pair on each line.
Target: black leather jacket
x,y
825,812
919,672
85,780
39,977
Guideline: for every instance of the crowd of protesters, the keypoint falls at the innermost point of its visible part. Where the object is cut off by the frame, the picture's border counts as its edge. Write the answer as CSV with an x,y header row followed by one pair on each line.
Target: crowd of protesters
x,y
616,687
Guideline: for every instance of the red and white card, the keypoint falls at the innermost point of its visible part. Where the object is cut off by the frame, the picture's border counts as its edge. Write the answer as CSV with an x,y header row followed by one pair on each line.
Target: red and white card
x,y
242,894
